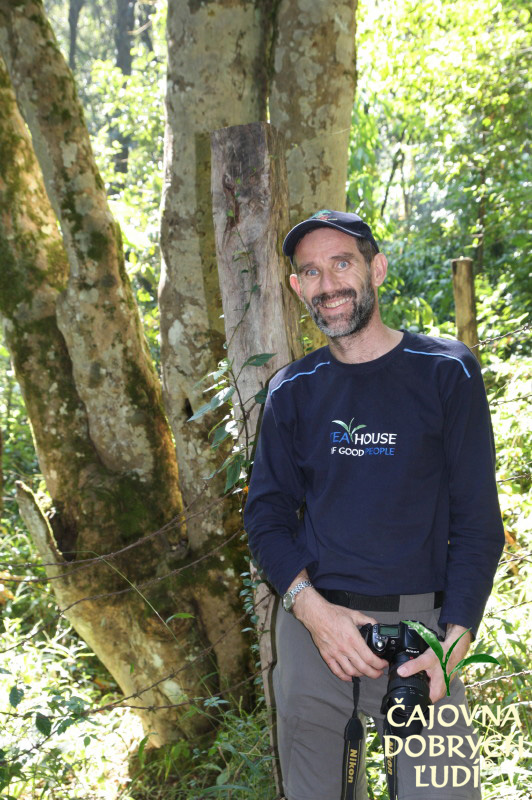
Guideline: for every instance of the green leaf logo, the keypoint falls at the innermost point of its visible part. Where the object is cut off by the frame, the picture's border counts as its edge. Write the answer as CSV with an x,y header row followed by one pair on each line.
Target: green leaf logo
x,y
433,641
349,428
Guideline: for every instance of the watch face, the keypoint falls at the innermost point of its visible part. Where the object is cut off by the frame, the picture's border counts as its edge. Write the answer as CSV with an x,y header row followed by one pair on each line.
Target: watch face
x,y
288,601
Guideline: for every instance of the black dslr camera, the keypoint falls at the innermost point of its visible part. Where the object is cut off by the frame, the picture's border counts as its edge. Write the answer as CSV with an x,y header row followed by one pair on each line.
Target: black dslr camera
x,y
398,644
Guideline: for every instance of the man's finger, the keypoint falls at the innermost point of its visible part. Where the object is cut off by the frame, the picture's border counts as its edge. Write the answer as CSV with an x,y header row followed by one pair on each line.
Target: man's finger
x,y
424,661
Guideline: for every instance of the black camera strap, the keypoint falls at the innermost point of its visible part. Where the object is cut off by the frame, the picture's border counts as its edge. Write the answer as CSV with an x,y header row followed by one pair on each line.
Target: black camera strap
x,y
390,762
353,749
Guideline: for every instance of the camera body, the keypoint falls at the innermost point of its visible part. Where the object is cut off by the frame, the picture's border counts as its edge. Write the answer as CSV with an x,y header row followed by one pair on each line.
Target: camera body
x,y
393,642
398,644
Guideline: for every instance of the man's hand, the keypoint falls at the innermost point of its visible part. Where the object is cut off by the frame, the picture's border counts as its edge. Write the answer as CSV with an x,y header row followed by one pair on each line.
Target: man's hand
x,y
430,663
334,630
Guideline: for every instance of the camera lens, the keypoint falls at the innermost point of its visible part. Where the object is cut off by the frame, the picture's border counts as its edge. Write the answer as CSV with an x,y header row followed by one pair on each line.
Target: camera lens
x,y
403,695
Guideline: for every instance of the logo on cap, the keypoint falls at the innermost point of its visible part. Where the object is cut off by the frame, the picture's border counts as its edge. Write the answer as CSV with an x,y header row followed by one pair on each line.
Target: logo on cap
x,y
324,214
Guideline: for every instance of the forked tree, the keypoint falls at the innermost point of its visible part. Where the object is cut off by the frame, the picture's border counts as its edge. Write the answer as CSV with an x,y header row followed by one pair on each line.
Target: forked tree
x,y
109,437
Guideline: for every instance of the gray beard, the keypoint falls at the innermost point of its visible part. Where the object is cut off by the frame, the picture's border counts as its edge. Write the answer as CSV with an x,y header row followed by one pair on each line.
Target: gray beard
x,y
357,319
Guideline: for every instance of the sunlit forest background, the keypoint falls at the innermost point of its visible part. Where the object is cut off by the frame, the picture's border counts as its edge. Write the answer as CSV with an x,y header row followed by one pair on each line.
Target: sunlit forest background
x,y
439,166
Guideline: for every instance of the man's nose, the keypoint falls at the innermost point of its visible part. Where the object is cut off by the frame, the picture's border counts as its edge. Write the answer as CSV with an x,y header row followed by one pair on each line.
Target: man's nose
x,y
329,282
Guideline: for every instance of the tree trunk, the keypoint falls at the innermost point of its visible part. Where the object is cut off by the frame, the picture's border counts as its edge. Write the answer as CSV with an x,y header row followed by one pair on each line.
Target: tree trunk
x,y
250,207
215,64
74,10
92,394
464,302
311,102
249,189
124,24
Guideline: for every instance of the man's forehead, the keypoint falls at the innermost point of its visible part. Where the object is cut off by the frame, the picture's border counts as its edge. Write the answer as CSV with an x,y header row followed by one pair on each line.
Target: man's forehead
x,y
321,239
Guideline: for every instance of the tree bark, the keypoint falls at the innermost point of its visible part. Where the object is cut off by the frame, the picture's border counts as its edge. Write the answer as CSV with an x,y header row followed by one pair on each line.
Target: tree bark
x,y
124,24
74,10
249,189
250,208
215,64
92,395
464,302
311,101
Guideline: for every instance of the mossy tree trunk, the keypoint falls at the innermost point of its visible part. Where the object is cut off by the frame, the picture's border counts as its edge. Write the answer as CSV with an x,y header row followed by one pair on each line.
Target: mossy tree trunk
x,y
215,78
311,99
92,394
113,477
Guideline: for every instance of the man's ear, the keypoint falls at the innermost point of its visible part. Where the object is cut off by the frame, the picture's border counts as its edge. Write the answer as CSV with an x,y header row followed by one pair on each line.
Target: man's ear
x,y
296,285
379,268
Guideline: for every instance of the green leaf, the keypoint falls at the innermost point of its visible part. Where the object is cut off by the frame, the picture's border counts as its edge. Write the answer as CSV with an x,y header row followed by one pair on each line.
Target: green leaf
x,y
261,396
451,648
87,741
43,724
216,402
222,778
15,696
180,615
258,360
220,434
233,471
142,745
428,636
224,366
66,723
478,658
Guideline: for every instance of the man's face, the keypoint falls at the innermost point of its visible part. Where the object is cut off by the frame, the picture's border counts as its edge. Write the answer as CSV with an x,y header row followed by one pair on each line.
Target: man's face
x,y
334,282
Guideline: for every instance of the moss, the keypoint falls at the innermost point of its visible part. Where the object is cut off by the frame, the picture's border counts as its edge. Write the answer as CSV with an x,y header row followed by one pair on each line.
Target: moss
x,y
108,281
57,263
15,287
98,246
68,208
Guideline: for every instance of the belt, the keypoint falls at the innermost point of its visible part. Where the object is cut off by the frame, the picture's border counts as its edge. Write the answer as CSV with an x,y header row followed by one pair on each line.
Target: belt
x,y
366,602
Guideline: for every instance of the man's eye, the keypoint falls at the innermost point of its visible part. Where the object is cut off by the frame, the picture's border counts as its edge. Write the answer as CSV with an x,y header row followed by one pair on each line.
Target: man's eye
x,y
342,264
311,273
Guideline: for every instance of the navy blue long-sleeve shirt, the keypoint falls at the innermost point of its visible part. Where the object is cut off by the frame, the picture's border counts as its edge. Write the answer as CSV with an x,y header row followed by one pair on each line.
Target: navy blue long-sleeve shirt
x,y
392,461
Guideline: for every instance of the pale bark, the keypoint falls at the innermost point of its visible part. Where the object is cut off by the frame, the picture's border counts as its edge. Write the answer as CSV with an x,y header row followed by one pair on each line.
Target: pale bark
x,y
215,64
311,99
213,61
104,496
249,190
109,360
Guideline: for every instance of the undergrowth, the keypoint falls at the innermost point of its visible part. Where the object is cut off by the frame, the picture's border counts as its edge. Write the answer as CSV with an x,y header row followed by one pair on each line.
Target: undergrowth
x,y
50,748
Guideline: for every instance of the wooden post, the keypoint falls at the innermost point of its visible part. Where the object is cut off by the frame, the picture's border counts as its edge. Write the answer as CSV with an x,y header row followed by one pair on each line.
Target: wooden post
x,y
464,301
250,210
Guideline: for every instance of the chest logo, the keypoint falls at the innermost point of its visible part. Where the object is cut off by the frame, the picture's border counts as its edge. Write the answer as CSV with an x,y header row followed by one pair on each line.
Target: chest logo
x,y
349,428
366,444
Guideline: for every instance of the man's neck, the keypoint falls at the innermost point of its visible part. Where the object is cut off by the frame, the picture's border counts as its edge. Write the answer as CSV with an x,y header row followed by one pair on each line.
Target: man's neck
x,y
373,341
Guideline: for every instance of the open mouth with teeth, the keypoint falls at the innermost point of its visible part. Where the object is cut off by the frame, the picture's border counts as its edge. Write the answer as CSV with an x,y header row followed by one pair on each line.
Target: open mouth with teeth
x,y
335,303
326,301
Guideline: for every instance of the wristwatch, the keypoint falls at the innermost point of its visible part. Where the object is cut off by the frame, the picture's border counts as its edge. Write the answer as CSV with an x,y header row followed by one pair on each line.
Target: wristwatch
x,y
289,597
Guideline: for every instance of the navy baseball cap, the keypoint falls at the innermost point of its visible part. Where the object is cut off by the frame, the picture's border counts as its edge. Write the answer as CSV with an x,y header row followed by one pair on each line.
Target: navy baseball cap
x,y
340,220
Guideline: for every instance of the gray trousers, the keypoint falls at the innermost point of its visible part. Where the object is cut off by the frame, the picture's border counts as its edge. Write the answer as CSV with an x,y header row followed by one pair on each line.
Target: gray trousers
x,y
313,707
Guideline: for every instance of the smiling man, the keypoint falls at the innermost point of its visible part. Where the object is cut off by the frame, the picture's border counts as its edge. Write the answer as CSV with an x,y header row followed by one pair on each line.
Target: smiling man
x,y
372,499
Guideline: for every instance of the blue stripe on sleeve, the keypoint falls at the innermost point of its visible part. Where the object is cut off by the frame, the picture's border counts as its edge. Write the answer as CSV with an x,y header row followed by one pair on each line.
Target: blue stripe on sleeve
x,y
444,355
297,375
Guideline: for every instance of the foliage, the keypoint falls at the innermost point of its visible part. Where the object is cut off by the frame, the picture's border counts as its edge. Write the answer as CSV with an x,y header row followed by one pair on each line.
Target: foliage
x,y
126,108
439,157
438,166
